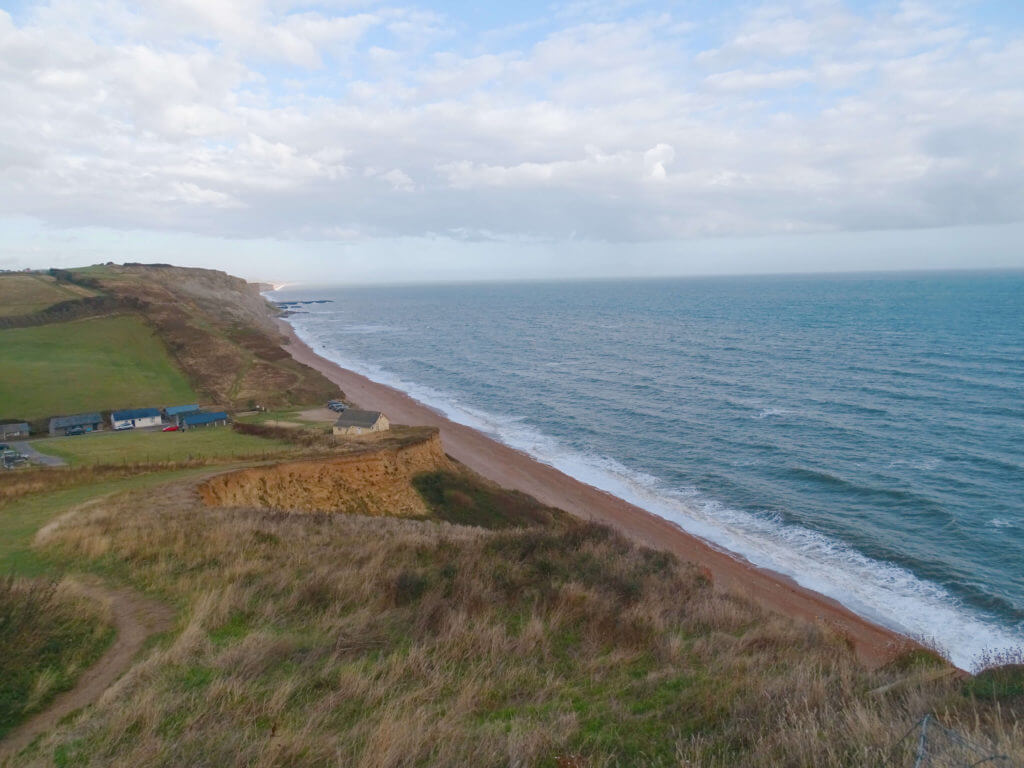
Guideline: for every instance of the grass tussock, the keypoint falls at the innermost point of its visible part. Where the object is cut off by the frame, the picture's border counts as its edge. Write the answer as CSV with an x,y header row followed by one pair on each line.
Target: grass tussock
x,y
340,640
48,635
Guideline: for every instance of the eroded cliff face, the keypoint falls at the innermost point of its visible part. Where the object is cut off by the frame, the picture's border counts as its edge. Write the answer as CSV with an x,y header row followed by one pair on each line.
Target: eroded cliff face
x,y
376,482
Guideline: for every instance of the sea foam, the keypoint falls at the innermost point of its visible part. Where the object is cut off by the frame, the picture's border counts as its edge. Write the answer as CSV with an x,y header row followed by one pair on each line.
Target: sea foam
x,y
883,592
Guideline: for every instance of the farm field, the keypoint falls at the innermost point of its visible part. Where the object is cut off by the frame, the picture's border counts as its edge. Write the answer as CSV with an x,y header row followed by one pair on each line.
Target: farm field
x,y
89,365
154,446
21,294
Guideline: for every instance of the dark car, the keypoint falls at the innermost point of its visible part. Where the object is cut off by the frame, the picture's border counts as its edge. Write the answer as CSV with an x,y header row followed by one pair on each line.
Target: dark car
x,y
74,431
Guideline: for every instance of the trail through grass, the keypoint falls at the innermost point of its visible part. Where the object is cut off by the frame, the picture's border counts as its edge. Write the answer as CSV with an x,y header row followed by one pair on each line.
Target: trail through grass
x,y
49,634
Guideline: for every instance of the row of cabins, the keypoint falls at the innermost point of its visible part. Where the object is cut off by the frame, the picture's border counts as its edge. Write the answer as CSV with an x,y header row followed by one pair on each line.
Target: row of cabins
x,y
350,422
181,416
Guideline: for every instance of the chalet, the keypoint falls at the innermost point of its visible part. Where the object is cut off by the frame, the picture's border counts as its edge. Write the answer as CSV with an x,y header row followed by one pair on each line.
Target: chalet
x,y
77,424
196,420
361,422
135,417
177,412
13,431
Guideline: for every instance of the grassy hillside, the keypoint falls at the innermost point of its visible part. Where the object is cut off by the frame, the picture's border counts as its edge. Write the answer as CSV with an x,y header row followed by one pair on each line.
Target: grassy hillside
x,y
220,331
88,365
313,640
21,294
490,630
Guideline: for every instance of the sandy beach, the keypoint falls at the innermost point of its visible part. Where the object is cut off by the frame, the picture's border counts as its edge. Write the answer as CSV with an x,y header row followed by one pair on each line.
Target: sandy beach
x,y
513,469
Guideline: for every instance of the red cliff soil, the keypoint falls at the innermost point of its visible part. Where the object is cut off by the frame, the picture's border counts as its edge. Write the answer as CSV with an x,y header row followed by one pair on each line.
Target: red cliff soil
x,y
513,469
365,483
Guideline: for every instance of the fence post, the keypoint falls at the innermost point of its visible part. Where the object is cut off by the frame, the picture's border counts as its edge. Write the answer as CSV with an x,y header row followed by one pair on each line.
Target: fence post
x,y
922,742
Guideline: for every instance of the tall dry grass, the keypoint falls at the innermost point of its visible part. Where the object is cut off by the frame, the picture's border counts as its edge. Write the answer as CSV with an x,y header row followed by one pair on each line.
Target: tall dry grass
x,y
49,634
320,640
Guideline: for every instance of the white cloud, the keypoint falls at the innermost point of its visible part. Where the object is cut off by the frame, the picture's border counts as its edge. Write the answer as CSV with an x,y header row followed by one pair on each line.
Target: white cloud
x,y
275,118
656,159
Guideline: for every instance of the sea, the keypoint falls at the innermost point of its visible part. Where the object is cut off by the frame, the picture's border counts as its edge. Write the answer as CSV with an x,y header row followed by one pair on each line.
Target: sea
x,y
863,434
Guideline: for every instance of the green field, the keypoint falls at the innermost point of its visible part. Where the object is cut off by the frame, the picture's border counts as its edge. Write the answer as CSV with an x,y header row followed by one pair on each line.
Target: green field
x,y
88,365
21,294
146,446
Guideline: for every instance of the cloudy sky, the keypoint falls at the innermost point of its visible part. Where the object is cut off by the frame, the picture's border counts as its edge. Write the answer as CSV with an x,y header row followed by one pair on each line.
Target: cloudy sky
x,y
366,141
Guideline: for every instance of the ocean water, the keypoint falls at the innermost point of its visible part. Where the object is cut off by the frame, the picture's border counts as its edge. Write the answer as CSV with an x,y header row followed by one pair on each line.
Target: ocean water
x,y
862,434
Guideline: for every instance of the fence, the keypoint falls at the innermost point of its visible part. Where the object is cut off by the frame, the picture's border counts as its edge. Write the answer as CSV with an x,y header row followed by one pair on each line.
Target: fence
x,y
929,744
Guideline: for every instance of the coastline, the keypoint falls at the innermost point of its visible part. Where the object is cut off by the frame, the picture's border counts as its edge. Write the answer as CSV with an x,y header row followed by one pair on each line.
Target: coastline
x,y
875,645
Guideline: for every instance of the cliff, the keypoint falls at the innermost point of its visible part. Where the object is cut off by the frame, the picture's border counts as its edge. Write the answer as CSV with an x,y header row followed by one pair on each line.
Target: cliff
x,y
220,330
376,482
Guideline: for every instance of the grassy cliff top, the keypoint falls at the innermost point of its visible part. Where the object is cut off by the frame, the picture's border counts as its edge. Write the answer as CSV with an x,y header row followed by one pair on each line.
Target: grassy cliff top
x,y
320,639
211,336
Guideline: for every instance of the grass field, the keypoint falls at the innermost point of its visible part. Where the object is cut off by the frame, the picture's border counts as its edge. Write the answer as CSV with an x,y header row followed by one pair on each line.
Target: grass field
x,y
89,365
21,294
145,446
313,640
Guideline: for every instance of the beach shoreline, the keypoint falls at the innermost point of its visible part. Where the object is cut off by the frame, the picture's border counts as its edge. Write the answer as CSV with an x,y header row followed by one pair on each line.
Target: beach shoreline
x,y
875,645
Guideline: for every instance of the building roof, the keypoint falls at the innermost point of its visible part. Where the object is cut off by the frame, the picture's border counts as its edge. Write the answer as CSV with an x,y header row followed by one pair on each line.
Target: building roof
x,y
14,426
177,410
135,413
194,419
352,418
77,420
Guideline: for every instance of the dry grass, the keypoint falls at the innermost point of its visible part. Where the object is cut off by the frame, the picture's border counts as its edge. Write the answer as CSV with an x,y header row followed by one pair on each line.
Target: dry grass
x,y
315,640
49,633
33,480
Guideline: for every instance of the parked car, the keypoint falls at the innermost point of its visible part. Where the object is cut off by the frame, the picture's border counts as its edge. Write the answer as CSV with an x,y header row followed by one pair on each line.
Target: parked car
x,y
336,405
75,431
172,428
122,427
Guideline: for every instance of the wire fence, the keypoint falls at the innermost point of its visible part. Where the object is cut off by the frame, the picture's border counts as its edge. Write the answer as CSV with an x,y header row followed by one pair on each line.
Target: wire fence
x,y
929,744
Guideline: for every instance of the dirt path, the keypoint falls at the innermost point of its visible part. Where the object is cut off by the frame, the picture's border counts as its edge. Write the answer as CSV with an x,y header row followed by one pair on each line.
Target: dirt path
x,y
136,618
27,449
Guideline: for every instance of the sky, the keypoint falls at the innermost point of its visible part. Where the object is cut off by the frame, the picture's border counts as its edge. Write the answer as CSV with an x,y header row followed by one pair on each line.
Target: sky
x,y
348,141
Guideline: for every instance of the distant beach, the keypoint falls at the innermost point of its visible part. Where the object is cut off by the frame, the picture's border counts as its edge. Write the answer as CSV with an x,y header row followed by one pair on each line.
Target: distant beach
x,y
510,468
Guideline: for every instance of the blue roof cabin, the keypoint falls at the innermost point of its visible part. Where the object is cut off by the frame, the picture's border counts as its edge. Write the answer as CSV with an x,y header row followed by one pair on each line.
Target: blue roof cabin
x,y
136,417
177,412
214,419
76,424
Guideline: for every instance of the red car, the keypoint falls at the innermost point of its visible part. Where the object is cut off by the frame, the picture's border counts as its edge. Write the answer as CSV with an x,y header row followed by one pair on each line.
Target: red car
x,y
172,428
